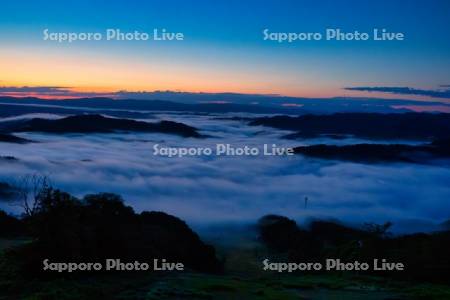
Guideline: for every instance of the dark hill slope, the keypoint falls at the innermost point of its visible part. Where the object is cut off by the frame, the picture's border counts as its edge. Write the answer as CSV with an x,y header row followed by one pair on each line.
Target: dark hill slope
x,y
98,124
364,125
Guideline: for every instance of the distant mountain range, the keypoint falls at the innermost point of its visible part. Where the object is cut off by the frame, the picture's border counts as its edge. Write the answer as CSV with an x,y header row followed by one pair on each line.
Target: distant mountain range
x,y
127,108
312,105
227,102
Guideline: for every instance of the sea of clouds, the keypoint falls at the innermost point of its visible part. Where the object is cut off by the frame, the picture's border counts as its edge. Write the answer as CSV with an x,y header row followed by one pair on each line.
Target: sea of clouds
x,y
233,189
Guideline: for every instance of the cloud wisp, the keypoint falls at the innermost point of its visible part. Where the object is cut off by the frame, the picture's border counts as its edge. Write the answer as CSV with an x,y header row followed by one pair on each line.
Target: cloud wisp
x,y
440,93
48,92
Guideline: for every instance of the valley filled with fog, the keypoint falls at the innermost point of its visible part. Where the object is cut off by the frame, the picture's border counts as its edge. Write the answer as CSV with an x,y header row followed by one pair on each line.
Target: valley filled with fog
x,y
210,189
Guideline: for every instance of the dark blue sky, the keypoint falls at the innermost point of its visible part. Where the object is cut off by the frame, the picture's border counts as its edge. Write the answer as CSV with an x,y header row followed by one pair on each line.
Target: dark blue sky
x,y
224,48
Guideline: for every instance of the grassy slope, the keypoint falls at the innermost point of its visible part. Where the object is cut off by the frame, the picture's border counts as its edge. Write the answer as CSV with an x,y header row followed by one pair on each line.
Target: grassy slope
x,y
243,279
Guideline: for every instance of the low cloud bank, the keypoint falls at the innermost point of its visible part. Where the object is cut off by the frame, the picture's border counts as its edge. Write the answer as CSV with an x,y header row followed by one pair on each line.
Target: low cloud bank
x,y
230,189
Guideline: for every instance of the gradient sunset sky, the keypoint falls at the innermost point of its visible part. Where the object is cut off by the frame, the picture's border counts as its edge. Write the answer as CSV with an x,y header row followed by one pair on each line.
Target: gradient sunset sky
x,y
224,50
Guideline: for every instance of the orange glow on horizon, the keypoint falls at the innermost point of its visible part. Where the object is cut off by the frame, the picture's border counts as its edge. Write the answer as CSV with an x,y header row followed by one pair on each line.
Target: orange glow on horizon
x,y
89,92
89,73
93,73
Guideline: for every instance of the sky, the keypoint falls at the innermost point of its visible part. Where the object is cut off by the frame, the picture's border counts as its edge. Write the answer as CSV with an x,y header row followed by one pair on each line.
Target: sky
x,y
224,50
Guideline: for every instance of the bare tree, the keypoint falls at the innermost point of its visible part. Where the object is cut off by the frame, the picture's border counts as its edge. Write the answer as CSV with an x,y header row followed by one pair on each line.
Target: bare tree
x,y
29,192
